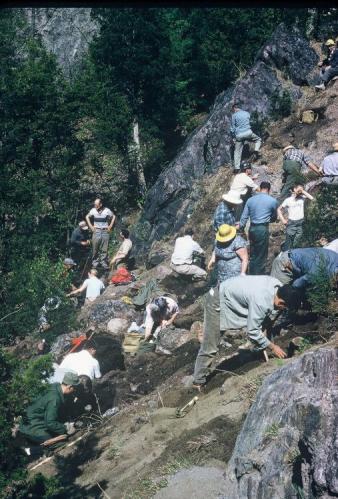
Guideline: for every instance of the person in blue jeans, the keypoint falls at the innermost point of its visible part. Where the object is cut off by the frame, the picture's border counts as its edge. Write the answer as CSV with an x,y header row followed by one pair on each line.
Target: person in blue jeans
x,y
241,132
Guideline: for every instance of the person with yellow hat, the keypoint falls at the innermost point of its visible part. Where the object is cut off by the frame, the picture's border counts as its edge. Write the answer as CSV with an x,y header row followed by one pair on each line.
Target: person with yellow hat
x,y
231,258
329,48
293,160
330,166
331,68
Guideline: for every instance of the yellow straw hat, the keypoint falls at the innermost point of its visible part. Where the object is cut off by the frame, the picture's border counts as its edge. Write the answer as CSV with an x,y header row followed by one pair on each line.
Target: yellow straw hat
x,y
329,42
225,233
287,148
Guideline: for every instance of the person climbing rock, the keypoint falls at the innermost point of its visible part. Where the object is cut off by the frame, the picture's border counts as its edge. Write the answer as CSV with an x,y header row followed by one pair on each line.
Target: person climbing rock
x,y
80,243
261,209
331,70
122,256
293,159
182,257
83,362
225,211
41,421
294,205
241,132
329,166
243,302
93,287
299,266
104,220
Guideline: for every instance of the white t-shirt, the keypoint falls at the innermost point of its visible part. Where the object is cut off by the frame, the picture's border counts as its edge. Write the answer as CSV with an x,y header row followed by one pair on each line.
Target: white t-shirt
x,y
83,363
295,207
241,182
184,248
125,248
101,218
94,286
333,245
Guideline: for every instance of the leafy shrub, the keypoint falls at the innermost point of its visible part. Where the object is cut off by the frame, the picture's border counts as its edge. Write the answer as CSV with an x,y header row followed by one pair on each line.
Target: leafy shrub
x,y
320,292
321,216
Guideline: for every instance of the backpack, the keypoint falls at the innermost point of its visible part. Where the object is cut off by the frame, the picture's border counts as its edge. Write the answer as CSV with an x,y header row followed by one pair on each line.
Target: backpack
x,y
149,291
121,276
132,342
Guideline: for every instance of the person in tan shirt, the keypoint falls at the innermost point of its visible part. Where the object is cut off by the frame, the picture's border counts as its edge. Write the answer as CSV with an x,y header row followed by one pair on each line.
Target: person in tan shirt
x,y
122,256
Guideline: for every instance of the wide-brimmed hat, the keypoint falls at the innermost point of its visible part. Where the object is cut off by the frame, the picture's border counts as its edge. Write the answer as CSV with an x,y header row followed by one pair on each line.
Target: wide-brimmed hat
x,y
69,261
335,146
329,42
71,379
232,197
225,233
288,147
83,225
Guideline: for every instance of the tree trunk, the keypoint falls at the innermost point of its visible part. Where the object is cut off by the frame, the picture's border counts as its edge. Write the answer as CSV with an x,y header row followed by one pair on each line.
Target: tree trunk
x,y
137,158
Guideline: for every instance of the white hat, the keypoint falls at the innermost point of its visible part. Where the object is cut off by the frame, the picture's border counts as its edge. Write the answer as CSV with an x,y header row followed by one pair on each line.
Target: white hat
x,y
232,197
83,225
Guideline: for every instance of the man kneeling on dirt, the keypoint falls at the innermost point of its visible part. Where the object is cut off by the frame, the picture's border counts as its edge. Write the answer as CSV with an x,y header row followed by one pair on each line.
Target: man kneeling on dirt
x,y
243,301
182,257
42,419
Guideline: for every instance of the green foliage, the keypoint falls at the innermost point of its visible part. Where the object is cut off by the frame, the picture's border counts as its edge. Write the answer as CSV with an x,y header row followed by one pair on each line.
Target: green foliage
x,y
321,290
281,104
273,430
321,216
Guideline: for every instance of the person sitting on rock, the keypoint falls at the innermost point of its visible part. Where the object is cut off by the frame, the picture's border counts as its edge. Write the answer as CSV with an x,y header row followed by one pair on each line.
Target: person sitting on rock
x,y
295,216
84,362
41,421
331,70
92,285
293,159
122,256
225,211
329,166
182,257
80,243
241,131
242,302
329,47
160,313
299,266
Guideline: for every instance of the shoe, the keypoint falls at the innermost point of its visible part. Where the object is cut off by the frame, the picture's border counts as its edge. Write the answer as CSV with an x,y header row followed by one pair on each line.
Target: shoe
x,y
162,350
320,87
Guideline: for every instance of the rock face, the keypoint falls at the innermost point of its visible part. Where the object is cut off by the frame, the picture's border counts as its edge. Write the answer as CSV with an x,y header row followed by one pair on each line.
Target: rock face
x,y
171,200
288,444
66,32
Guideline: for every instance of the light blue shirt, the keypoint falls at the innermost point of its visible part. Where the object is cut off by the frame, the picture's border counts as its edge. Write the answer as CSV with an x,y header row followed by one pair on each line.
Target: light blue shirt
x,y
261,208
240,122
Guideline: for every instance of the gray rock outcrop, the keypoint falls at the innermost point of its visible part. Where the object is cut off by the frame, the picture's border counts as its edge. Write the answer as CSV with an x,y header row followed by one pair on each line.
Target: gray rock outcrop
x,y
172,198
287,447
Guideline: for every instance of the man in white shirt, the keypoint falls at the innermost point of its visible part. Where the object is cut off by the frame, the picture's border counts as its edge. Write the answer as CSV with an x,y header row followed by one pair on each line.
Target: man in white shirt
x,y
182,257
83,363
92,285
104,220
122,255
243,181
294,205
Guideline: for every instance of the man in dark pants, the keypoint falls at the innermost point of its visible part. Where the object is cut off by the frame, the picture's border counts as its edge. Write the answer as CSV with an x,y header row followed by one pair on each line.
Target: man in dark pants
x,y
80,243
103,222
261,209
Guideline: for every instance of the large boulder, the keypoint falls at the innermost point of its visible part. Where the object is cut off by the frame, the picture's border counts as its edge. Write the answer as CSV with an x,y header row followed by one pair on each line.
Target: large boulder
x,y
102,312
296,405
117,326
171,200
171,338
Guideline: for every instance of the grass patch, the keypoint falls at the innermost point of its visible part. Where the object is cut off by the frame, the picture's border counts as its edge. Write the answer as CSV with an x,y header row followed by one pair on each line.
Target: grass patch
x,y
272,431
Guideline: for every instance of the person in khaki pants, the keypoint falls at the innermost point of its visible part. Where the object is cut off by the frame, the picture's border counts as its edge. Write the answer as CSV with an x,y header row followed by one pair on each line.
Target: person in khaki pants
x,y
104,220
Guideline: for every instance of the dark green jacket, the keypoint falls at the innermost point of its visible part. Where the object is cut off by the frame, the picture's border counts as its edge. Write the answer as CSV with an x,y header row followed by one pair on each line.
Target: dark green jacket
x,y
41,418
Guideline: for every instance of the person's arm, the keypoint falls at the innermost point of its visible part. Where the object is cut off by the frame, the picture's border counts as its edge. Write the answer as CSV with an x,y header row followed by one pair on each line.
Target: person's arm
x,y
89,223
244,217
243,255
314,167
280,214
233,125
212,261
170,321
51,419
79,290
307,195
197,248
113,218
97,371
256,316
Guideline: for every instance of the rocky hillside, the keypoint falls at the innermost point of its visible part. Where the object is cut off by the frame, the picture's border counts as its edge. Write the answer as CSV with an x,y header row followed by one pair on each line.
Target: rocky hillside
x,y
260,429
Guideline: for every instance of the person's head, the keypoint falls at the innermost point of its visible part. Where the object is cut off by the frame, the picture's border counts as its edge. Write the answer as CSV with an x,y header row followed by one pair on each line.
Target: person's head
x,y
159,307
86,384
265,186
323,241
297,189
189,232
335,147
246,168
124,233
232,198
225,233
69,383
287,297
98,203
235,107
83,226
91,347
92,273
69,263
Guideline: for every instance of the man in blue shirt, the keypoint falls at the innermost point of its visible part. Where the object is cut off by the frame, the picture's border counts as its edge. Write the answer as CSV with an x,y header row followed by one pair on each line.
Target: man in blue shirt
x,y
241,131
261,209
300,265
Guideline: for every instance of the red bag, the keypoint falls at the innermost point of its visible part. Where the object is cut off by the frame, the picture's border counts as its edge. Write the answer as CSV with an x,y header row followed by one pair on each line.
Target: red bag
x,y
121,276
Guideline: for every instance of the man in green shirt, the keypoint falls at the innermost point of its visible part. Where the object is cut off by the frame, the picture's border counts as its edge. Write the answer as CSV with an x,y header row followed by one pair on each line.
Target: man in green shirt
x,y
41,421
